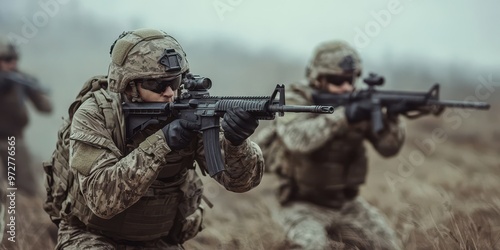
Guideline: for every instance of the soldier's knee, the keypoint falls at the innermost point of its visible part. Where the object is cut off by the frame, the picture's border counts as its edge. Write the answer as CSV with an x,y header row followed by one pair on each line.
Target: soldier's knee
x,y
308,234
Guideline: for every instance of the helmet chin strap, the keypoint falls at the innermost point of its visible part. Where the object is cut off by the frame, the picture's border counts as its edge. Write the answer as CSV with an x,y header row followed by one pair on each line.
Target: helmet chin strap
x,y
322,85
315,83
135,92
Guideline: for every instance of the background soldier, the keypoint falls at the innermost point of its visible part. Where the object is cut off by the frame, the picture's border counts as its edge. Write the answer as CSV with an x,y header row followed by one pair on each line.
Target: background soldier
x,y
144,192
321,162
15,88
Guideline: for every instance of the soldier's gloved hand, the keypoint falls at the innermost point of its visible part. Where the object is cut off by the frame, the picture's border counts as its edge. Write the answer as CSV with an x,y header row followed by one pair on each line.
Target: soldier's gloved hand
x,y
357,112
193,225
180,133
238,125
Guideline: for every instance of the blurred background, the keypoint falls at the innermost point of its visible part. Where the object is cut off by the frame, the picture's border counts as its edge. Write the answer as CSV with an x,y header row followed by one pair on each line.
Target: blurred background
x,y
247,47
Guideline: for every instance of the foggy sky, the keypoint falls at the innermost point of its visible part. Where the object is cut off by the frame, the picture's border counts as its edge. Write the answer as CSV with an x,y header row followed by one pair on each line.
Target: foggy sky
x,y
439,30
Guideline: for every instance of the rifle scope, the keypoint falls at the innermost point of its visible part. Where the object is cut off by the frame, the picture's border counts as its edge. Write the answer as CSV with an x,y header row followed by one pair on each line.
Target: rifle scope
x,y
196,82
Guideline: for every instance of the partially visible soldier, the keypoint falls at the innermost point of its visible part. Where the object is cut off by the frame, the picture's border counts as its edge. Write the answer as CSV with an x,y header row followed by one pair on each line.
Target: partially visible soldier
x,y
144,193
321,162
15,88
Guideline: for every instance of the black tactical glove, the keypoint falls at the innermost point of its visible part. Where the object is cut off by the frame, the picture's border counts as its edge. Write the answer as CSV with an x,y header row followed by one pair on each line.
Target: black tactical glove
x,y
179,133
238,125
357,112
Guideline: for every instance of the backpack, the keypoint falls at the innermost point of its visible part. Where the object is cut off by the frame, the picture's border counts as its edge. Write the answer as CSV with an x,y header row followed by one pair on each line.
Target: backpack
x,y
58,177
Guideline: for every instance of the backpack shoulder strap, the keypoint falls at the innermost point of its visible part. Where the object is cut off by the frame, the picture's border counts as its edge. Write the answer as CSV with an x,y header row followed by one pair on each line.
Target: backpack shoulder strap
x,y
104,101
91,85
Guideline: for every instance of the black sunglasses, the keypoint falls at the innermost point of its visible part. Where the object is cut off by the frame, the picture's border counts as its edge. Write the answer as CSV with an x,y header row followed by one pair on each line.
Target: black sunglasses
x,y
8,58
337,80
159,86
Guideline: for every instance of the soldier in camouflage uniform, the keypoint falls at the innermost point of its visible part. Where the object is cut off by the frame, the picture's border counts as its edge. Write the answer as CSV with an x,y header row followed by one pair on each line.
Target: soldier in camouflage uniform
x,y
144,193
321,162
15,88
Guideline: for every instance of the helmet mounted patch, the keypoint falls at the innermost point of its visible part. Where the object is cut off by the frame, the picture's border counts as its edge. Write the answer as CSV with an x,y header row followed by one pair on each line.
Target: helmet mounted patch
x,y
347,64
171,60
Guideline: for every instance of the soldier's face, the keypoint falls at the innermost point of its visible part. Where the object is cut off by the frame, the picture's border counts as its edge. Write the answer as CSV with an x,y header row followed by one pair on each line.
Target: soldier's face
x,y
149,96
337,84
158,90
8,65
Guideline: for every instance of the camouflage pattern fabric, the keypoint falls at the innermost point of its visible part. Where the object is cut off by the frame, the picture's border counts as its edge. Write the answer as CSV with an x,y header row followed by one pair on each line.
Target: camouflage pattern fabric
x,y
112,181
78,238
322,166
106,190
357,225
325,154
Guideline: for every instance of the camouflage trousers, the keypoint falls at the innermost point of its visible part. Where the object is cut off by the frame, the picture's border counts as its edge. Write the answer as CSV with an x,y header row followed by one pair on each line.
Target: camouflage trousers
x,y
357,225
76,238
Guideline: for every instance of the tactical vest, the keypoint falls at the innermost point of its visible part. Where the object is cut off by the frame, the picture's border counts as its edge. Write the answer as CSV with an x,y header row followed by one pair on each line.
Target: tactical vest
x,y
161,212
324,176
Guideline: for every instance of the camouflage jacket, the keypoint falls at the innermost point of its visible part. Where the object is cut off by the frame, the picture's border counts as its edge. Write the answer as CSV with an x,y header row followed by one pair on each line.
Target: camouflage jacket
x,y
112,178
321,156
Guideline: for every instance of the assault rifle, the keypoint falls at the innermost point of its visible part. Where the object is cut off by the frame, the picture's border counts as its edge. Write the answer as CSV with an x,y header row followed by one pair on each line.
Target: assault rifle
x,y
409,104
196,104
8,79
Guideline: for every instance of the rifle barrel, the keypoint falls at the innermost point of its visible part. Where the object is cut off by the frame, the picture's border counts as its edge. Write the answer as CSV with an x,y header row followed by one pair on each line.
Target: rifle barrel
x,y
301,109
460,104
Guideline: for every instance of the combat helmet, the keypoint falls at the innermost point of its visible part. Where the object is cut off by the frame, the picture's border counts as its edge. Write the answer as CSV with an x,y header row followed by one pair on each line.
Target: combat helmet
x,y
333,57
144,54
7,49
